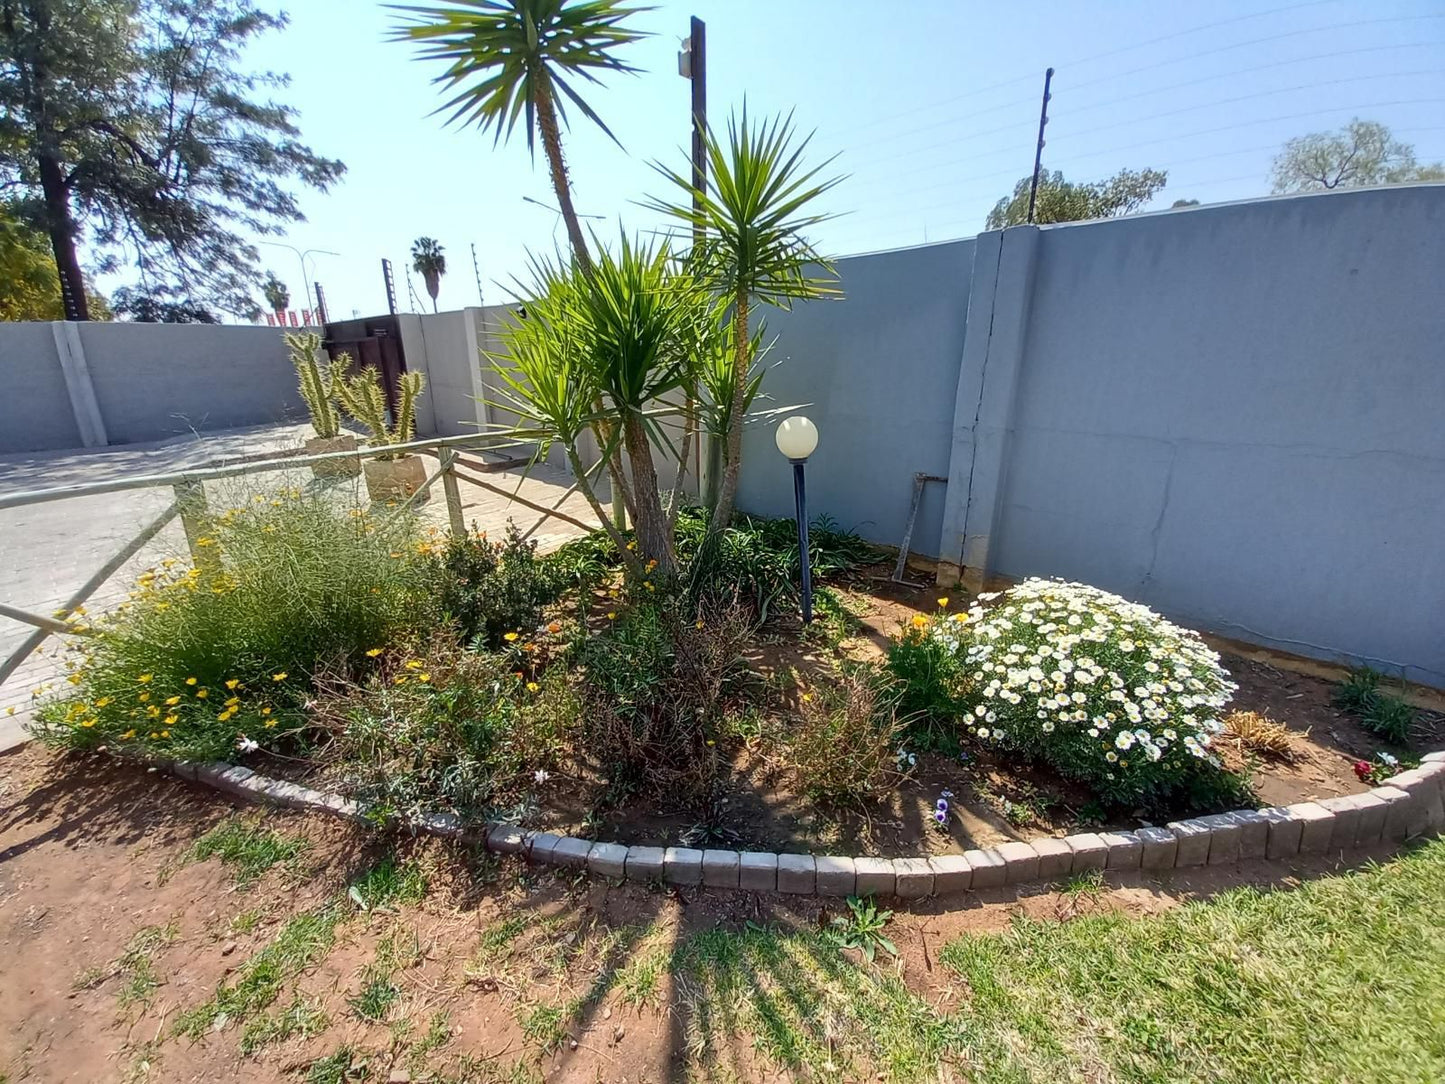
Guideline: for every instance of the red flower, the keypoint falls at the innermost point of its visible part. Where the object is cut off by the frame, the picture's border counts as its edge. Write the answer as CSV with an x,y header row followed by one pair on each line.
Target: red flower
x,y
1363,770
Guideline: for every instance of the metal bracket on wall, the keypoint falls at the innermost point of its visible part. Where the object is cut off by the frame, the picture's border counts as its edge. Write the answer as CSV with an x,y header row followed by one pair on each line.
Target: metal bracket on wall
x,y
919,480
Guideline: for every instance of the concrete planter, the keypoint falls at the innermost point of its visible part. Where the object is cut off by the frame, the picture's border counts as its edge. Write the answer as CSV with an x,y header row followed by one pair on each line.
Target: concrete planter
x,y
336,468
394,479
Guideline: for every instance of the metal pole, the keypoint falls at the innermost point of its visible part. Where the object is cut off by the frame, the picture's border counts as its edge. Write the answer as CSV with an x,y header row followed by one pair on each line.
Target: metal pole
x,y
477,272
1039,150
321,317
801,497
390,285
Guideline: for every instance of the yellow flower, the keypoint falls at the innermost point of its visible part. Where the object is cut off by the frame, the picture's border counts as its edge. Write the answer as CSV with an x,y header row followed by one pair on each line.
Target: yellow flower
x,y
807,697
423,677
10,710
165,733
632,545
413,664
374,652
143,678
226,714
205,541
153,712
232,683
960,617
699,624
649,586
510,636
201,694
265,711
128,734
103,701
190,681
554,626
395,553
155,733
143,697
270,722
532,686
170,720
612,615
270,528
232,701
651,564
281,676
943,604
920,621
400,679
88,722
172,701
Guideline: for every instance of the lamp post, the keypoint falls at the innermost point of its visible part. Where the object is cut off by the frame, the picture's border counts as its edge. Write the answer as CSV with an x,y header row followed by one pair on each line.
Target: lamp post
x,y
797,437
301,257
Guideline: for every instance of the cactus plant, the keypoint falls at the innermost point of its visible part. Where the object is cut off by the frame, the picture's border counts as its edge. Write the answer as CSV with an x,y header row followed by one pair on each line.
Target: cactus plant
x,y
317,385
362,397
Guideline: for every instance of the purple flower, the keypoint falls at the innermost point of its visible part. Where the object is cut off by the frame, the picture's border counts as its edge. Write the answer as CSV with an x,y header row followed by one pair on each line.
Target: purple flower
x,y
948,794
940,813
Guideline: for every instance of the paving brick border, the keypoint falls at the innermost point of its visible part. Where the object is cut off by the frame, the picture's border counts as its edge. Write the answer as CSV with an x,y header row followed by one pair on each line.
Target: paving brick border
x,y
1410,804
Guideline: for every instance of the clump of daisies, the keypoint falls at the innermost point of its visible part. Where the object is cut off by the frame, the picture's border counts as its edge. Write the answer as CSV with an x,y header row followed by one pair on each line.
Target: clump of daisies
x,y
1103,689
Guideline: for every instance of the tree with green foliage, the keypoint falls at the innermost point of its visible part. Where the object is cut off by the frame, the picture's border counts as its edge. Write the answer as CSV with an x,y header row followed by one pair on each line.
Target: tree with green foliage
x,y
753,215
275,293
1059,200
160,307
429,261
506,58
130,124
1363,152
29,289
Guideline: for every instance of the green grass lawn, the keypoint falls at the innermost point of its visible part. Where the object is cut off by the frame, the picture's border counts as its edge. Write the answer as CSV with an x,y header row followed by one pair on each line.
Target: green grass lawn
x,y
1342,979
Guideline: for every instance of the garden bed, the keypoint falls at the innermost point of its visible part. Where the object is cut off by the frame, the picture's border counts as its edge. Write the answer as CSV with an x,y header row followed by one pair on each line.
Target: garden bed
x,y
421,674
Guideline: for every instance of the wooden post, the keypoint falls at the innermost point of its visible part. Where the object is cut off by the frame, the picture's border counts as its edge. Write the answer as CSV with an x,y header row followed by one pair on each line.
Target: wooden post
x,y
191,501
453,494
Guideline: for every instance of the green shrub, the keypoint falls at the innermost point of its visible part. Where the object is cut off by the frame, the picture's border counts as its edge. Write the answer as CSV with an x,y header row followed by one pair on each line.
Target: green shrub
x,y
491,588
655,686
1379,712
445,730
756,560
203,657
843,747
1106,691
929,672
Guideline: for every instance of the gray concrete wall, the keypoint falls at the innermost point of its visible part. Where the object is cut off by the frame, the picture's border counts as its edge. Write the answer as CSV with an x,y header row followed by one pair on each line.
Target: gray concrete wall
x,y
35,412
1236,414
159,380
877,371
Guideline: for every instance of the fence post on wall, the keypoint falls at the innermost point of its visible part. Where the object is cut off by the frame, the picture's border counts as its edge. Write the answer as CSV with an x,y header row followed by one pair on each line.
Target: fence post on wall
x,y
78,386
453,493
998,314
191,501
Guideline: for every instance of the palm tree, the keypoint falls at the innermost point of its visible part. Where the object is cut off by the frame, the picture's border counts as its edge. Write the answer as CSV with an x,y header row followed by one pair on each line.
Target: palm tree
x,y
428,262
275,292
752,217
505,57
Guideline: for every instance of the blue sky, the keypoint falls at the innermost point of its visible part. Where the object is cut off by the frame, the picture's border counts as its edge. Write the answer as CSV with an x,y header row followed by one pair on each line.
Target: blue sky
x,y
930,106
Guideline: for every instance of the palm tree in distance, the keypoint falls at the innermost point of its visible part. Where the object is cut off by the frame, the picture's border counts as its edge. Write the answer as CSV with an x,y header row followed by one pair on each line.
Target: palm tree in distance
x,y
428,262
507,57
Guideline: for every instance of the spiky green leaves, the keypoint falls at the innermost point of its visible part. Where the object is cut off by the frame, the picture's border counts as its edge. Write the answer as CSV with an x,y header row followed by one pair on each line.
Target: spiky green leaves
x,y
315,385
497,51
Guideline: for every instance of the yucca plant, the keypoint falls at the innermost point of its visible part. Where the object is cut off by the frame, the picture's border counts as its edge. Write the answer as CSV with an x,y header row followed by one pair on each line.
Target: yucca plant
x,y
506,57
317,383
752,214
362,397
608,346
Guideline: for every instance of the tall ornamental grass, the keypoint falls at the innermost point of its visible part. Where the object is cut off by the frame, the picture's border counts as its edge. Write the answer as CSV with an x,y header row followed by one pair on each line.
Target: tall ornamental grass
x,y
209,656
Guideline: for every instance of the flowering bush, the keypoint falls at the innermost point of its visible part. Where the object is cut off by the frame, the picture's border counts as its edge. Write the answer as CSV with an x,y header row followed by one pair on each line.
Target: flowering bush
x,y
1381,767
204,660
1105,690
489,588
442,729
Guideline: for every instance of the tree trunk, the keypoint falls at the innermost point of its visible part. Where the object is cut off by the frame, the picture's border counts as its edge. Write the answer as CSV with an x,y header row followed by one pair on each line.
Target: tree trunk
x,y
722,512
61,227
561,186
653,534
628,557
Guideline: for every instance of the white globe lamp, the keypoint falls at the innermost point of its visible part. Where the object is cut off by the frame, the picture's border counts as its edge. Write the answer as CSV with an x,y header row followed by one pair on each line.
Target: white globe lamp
x,y
797,437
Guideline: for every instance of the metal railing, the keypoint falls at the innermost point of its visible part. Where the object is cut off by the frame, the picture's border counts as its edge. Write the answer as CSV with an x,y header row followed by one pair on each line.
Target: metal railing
x,y
190,506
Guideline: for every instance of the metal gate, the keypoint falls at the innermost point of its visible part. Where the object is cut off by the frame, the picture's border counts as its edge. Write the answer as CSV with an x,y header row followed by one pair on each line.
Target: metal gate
x,y
372,342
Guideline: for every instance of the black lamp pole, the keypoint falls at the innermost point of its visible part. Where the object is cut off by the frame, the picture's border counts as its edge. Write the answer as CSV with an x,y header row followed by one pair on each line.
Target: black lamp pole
x,y
800,495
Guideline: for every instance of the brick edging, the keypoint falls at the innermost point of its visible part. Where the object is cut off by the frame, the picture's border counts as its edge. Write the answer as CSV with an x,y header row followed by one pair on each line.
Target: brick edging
x,y
1410,804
